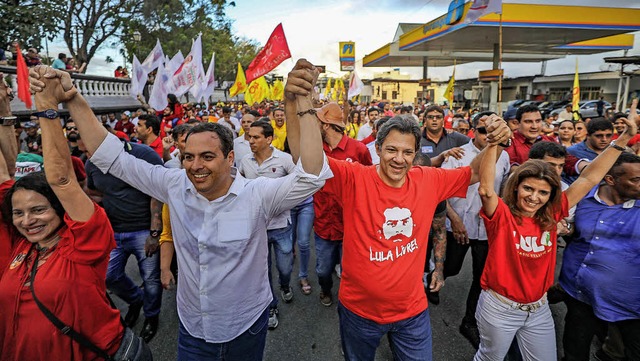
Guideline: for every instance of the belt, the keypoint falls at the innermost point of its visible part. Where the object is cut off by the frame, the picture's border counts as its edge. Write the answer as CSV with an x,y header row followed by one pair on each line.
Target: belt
x,y
526,307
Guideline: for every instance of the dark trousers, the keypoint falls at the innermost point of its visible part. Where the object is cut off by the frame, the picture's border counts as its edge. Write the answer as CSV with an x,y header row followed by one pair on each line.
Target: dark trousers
x,y
581,324
456,253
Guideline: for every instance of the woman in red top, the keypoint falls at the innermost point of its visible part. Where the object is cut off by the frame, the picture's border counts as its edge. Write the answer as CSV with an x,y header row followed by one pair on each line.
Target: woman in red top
x,y
521,230
58,230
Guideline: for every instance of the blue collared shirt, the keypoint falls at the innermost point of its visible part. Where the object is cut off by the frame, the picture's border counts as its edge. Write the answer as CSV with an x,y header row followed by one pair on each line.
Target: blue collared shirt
x,y
602,266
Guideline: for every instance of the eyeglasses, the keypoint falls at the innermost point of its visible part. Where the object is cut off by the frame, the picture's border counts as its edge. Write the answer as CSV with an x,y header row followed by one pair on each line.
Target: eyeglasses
x,y
72,128
481,130
434,117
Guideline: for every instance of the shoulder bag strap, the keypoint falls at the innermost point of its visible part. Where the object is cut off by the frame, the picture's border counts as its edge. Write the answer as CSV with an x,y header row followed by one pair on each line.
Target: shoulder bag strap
x,y
65,329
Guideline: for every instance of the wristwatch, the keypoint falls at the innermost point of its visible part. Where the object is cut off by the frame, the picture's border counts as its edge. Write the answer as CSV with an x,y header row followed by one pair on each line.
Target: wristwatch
x,y
155,233
49,114
506,144
617,147
8,121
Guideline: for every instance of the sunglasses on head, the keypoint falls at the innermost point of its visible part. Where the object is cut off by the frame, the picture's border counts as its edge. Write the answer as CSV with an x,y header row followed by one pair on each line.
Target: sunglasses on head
x,y
481,130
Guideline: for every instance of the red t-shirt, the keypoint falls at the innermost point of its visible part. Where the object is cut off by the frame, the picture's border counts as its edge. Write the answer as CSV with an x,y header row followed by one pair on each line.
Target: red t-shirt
x,y
6,241
127,128
71,283
520,147
386,231
328,214
635,139
522,258
157,146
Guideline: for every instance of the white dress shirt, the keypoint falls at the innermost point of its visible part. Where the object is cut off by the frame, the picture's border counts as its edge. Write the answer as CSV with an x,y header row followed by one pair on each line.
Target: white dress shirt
x,y
241,148
279,164
221,245
469,208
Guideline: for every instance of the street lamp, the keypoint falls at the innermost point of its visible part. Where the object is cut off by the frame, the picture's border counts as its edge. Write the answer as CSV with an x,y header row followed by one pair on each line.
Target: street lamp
x,y
137,36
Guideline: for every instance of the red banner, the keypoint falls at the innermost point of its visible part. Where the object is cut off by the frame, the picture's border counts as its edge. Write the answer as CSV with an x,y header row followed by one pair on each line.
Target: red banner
x,y
23,79
274,52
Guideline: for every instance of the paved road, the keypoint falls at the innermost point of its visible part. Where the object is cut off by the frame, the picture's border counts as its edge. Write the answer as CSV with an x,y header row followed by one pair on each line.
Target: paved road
x,y
309,330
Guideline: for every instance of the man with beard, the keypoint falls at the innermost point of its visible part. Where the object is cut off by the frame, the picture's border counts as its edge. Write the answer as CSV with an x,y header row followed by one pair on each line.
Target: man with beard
x,y
72,137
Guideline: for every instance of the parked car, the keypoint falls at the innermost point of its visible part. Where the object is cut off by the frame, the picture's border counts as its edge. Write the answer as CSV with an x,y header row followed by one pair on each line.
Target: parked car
x,y
589,108
514,104
551,106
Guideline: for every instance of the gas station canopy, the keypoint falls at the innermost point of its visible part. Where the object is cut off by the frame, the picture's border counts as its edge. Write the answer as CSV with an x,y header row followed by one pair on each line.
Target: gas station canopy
x,y
531,33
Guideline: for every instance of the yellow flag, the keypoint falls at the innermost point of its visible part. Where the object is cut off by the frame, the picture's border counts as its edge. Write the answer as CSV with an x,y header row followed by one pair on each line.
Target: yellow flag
x,y
278,90
448,93
257,91
240,85
265,92
576,94
327,89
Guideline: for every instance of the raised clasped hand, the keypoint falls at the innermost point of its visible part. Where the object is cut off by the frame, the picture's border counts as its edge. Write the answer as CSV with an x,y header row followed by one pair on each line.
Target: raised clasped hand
x,y
498,131
50,85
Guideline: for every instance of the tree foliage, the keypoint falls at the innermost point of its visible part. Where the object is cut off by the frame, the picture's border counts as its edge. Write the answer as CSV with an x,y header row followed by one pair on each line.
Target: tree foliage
x,y
178,22
27,20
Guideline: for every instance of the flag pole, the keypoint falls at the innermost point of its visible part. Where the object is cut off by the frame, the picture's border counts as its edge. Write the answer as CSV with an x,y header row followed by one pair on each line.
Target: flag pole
x,y
500,66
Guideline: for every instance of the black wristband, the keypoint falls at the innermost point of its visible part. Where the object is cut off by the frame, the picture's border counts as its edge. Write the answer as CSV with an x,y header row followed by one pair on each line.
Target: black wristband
x,y
617,147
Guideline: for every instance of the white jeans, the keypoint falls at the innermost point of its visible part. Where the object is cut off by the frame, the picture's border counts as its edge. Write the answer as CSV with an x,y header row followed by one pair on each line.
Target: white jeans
x,y
499,322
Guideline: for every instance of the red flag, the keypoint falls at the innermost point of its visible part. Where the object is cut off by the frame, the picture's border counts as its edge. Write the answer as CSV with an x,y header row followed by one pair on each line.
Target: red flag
x,y
274,53
23,80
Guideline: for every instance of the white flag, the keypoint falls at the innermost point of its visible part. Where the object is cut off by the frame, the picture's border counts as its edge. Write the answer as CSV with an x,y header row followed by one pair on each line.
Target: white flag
x,y
173,64
355,85
154,59
138,78
190,71
480,8
205,88
158,96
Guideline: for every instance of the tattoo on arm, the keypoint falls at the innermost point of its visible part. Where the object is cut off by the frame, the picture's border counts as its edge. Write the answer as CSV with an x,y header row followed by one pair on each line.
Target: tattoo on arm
x,y
439,234
156,214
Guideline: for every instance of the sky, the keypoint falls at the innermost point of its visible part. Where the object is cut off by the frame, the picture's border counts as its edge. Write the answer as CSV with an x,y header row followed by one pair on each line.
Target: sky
x,y
314,28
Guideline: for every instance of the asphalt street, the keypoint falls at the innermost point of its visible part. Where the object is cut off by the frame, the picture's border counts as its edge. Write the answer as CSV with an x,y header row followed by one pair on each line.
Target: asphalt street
x,y
309,331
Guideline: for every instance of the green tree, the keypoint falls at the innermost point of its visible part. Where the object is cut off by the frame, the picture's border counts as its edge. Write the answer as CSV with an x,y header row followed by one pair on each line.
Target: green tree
x,y
178,22
28,20
87,24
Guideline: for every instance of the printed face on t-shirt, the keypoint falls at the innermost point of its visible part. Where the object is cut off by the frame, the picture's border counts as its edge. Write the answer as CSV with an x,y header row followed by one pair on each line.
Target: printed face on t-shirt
x,y
533,193
396,157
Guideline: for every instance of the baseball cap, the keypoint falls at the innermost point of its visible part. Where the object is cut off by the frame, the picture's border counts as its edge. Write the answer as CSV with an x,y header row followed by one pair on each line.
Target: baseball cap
x,y
510,114
29,125
127,113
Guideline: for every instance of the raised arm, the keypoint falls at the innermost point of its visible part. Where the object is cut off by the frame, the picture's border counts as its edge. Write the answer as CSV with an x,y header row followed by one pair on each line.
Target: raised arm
x,y
57,159
498,133
593,174
487,170
93,133
303,129
8,146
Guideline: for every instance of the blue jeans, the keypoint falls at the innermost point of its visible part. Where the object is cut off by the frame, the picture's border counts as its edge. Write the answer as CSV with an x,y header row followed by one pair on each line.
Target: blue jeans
x,y
409,339
328,255
283,247
302,223
128,243
249,346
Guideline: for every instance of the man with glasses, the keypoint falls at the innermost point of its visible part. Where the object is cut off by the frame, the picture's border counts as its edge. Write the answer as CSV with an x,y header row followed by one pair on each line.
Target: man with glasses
x,y
436,143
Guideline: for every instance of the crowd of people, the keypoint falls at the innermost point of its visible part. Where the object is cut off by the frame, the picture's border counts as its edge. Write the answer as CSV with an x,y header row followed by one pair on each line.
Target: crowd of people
x,y
207,197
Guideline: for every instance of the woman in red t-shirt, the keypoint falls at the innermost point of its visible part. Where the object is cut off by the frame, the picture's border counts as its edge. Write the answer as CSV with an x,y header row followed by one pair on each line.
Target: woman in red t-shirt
x,y
521,231
62,242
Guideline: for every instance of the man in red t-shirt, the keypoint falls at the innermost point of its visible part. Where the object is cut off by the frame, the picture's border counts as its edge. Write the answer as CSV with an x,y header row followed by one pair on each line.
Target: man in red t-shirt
x,y
125,125
148,132
388,212
328,226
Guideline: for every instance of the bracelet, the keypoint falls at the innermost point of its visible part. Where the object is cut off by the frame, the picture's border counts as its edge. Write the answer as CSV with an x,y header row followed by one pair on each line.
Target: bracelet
x,y
8,121
308,111
617,147
155,233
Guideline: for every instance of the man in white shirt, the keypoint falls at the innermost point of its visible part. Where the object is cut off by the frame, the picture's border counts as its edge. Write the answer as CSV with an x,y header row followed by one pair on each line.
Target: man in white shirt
x,y
228,121
365,130
241,146
219,219
465,227
267,161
